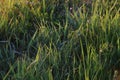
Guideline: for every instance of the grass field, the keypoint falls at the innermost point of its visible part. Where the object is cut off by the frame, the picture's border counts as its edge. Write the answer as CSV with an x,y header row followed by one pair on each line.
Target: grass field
x,y
59,40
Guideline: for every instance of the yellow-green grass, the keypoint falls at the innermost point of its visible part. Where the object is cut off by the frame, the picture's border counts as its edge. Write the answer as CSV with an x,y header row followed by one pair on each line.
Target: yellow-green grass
x,y
59,40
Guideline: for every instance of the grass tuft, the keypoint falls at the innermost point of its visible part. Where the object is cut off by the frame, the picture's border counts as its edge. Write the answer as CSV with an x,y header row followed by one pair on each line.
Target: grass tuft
x,y
59,39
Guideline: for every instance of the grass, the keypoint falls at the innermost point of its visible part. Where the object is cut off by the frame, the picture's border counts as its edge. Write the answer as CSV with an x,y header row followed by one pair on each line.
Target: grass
x,y
59,40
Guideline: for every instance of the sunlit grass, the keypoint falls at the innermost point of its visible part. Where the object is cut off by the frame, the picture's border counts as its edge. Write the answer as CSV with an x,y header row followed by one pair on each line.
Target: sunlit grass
x,y
59,40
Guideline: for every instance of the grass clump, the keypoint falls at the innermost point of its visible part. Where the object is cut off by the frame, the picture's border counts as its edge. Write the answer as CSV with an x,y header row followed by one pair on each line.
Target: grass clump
x,y
59,39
